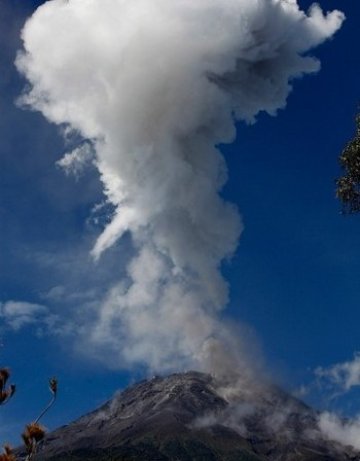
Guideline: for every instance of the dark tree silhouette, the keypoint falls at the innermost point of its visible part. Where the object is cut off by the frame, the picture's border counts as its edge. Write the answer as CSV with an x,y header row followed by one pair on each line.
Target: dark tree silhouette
x,y
348,186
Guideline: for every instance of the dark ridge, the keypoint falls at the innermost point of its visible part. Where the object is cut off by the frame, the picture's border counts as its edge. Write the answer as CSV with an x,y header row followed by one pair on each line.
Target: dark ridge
x,y
186,417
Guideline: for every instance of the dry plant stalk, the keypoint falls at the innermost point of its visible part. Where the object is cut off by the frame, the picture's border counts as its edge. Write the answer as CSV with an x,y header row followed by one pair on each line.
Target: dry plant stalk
x,y
34,432
8,454
5,392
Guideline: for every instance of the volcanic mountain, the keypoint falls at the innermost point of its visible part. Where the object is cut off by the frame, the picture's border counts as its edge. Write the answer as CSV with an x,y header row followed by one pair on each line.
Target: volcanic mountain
x,y
195,417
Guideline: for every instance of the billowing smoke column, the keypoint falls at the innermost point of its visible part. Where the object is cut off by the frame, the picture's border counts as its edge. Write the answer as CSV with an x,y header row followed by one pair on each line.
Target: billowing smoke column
x,y
155,85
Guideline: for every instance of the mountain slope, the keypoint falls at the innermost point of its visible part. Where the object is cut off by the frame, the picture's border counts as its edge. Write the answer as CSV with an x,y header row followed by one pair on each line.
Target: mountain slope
x,y
193,417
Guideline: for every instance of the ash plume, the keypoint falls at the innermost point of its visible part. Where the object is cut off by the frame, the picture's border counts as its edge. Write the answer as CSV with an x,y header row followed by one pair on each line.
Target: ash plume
x,y
154,86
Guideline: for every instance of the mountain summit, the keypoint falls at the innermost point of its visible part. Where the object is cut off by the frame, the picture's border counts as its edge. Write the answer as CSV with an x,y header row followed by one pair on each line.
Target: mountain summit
x,y
194,417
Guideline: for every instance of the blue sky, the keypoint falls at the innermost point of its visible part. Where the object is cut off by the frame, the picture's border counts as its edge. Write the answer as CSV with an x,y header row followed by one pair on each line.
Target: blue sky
x,y
293,279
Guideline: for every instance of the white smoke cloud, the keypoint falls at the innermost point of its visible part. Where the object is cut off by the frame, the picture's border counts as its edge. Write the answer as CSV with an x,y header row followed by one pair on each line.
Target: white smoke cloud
x,y
155,86
346,432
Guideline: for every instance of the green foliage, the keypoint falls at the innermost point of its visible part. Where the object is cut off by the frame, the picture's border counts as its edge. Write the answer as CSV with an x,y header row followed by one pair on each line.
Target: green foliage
x,y
348,186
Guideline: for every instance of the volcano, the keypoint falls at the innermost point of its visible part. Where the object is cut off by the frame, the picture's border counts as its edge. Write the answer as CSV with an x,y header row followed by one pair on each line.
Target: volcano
x,y
195,417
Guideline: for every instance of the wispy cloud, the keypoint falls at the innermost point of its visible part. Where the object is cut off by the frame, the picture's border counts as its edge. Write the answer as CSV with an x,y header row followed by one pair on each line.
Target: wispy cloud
x,y
342,376
20,314
76,161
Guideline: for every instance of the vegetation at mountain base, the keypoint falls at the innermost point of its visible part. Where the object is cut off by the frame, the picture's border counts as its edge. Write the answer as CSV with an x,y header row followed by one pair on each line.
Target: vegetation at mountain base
x,y
348,185
34,432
